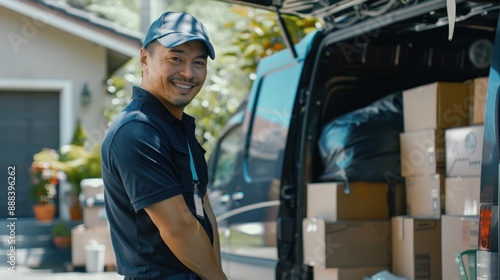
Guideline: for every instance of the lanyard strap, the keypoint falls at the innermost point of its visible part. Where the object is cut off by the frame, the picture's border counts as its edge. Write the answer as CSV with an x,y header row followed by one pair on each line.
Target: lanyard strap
x,y
198,203
191,164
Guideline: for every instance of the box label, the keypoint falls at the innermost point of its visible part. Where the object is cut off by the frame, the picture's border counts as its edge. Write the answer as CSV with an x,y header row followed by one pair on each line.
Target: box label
x,y
464,151
422,266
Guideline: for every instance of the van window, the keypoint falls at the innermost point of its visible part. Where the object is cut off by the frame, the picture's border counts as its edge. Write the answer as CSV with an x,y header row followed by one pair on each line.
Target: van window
x,y
225,165
270,122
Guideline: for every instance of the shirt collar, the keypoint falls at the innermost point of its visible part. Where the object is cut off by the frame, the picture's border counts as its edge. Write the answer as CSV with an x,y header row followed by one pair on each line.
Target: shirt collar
x,y
157,107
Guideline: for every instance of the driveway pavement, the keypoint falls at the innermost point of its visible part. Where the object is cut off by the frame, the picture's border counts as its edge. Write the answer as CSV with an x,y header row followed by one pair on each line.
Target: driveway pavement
x,y
26,273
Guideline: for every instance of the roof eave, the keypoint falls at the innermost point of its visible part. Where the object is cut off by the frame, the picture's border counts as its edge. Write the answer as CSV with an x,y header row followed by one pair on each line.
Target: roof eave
x,y
82,24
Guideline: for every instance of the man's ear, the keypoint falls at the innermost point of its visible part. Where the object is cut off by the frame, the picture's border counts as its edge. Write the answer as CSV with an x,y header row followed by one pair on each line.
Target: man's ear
x,y
144,58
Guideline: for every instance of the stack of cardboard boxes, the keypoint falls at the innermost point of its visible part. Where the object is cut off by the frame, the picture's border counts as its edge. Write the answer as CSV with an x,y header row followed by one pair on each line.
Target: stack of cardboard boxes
x,y
464,145
441,161
351,235
347,235
95,224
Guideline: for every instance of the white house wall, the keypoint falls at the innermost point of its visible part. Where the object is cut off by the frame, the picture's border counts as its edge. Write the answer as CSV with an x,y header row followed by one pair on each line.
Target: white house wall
x,y
33,50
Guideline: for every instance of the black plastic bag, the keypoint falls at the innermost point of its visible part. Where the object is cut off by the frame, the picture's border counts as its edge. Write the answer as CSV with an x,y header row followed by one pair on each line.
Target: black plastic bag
x,y
363,145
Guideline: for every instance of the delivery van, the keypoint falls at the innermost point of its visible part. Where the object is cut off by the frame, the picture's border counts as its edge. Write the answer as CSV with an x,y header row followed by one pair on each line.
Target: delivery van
x,y
311,177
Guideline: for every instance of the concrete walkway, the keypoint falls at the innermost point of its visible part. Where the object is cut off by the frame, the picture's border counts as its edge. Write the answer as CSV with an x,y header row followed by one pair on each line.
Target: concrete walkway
x,y
26,273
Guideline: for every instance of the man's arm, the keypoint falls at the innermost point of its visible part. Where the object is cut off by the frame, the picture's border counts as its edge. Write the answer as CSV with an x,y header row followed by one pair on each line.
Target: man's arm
x,y
213,221
185,236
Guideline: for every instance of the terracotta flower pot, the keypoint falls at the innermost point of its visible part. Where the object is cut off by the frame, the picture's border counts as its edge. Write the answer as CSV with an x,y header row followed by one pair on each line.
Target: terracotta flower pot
x,y
44,212
75,210
62,242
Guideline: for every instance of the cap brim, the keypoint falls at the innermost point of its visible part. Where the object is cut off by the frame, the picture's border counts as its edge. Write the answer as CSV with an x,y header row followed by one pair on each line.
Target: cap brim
x,y
173,40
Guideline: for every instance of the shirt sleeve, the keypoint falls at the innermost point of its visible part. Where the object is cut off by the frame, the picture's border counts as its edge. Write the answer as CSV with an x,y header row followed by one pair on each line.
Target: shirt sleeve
x,y
144,165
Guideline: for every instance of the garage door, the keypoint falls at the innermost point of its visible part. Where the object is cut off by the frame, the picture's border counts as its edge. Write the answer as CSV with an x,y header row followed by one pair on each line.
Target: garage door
x,y
29,121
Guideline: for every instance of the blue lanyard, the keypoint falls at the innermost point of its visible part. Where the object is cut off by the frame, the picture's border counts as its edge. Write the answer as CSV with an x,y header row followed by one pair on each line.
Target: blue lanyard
x,y
198,203
191,164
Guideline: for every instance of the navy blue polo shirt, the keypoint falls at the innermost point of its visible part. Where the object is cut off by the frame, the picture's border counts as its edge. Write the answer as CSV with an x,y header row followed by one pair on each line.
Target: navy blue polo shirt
x,y
145,160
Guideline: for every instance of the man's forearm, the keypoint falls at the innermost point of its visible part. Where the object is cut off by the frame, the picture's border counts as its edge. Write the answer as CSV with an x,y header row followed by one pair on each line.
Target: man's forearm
x,y
186,237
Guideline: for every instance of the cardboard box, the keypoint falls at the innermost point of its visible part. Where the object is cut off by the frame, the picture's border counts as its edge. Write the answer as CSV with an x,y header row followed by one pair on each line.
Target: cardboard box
x,y
416,248
80,237
462,195
356,273
464,151
365,201
458,233
425,196
346,244
95,217
422,152
92,187
397,198
94,213
436,105
478,91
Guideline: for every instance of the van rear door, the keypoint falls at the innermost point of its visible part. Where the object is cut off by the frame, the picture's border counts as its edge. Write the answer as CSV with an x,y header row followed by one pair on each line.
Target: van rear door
x,y
245,169
489,234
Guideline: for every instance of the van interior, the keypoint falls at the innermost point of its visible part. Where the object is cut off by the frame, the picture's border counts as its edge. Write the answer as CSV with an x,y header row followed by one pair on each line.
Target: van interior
x,y
355,72
350,72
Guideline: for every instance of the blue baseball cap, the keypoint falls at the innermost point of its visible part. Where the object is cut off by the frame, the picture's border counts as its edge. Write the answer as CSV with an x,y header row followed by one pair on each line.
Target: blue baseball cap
x,y
172,29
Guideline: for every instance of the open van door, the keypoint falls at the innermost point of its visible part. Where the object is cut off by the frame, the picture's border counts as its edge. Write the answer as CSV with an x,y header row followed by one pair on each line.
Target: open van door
x,y
367,49
489,197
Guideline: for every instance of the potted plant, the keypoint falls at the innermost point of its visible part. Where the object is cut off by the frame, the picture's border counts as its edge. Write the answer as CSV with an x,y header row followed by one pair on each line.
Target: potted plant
x,y
71,163
79,163
45,175
79,160
61,234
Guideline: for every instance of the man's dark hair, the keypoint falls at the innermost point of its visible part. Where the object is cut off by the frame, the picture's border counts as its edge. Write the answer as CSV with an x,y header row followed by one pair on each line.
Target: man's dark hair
x,y
150,49
151,46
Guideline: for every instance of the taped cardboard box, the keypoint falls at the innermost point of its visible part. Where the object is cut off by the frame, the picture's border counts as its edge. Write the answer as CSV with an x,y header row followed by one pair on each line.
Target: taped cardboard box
x,y
422,152
462,195
446,105
365,201
464,151
425,196
416,248
356,273
81,236
458,233
346,244
478,91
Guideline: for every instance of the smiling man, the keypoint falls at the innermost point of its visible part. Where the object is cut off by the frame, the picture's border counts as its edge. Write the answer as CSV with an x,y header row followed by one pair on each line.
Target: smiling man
x,y
154,170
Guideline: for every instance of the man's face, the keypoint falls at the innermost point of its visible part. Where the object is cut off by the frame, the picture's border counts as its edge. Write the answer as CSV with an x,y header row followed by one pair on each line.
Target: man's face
x,y
175,75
